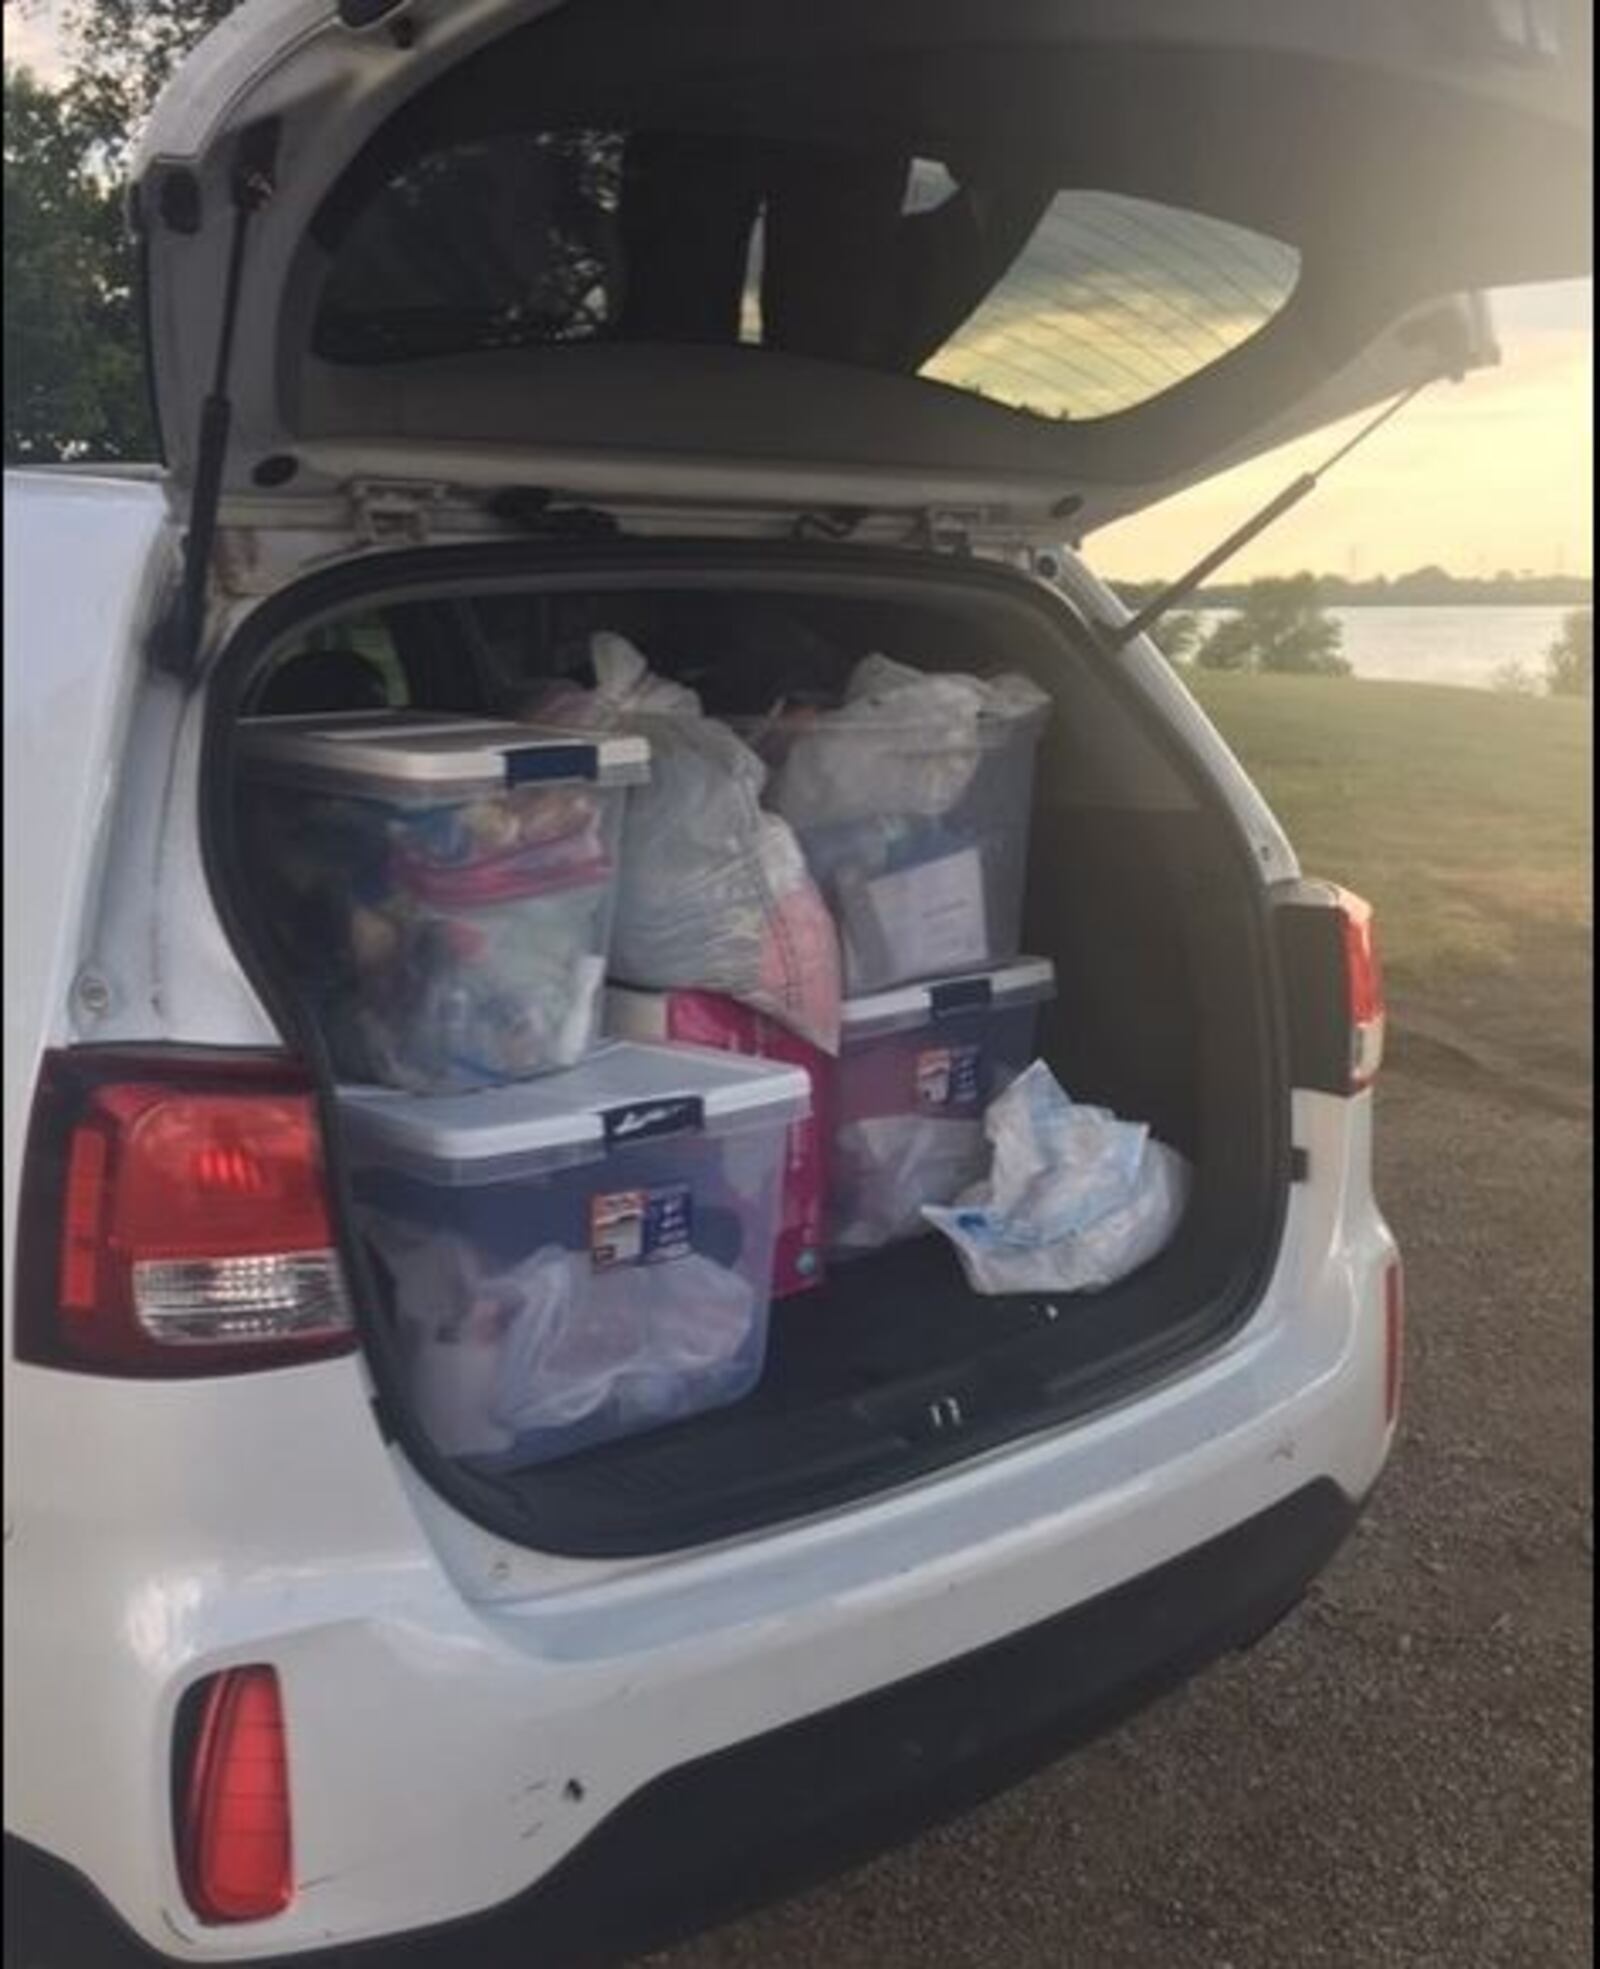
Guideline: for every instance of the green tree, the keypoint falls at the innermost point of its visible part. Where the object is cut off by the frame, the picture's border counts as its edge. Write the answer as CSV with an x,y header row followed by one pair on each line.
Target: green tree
x,y
74,371
1569,661
122,52
1280,627
74,384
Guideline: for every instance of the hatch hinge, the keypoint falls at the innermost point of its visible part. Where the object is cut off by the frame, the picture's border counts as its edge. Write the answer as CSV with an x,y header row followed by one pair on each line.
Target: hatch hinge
x,y
950,529
389,512
1299,1165
994,532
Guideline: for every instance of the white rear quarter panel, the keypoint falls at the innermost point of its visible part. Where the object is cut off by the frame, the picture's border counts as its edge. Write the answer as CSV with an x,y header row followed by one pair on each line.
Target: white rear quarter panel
x,y
83,562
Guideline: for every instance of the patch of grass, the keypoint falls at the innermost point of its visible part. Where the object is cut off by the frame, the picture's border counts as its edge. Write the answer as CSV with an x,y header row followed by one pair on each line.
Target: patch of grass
x,y
1463,816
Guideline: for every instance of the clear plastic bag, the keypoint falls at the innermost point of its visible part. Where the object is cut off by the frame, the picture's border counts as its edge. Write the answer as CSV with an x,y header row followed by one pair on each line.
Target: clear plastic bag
x,y
553,1353
1075,1199
714,893
641,1344
904,741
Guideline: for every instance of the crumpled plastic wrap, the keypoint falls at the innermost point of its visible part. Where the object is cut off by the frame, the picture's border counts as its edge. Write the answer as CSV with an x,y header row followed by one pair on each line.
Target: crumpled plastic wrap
x,y
714,893
911,802
499,1361
1075,1199
904,741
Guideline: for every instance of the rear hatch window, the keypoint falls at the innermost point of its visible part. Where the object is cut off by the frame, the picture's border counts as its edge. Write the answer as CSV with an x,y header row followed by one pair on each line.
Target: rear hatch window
x,y
1075,303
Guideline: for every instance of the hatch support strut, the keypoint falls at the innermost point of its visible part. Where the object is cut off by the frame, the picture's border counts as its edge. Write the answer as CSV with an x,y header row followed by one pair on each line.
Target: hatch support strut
x,y
252,181
1116,636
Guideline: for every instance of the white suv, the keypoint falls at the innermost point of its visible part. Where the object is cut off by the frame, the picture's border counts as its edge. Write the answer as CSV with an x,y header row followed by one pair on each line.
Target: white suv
x,y
766,335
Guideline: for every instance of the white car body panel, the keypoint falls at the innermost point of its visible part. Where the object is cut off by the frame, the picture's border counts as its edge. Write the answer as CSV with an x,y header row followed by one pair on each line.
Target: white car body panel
x,y
462,1711
264,1517
84,562
436,1720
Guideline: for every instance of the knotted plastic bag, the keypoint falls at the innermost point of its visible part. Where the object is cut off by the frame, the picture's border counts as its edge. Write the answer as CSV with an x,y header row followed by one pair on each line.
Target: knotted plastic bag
x,y
714,893
1075,1199
904,741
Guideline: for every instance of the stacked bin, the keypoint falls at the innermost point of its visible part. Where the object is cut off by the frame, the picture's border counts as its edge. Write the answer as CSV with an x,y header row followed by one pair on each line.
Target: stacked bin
x,y
579,1237
912,811
581,1257
917,1068
912,801
441,888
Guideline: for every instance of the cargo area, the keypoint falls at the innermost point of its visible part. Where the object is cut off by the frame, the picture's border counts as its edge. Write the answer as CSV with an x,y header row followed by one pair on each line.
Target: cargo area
x,y
1141,977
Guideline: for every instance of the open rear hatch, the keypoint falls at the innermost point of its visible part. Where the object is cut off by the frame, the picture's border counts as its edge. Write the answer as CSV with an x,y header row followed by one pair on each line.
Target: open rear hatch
x,y
1046,262
889,275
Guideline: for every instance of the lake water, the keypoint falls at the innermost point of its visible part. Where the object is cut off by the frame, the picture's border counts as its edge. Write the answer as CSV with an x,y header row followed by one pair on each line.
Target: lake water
x,y
1441,645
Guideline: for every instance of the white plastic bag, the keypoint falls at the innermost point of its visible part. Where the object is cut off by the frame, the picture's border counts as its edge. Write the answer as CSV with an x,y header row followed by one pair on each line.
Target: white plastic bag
x,y
1074,1201
550,1342
905,741
713,893
642,1342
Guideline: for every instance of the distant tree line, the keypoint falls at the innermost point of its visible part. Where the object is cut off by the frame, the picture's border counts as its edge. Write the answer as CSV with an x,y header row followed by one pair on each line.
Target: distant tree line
x,y
1423,587
1282,628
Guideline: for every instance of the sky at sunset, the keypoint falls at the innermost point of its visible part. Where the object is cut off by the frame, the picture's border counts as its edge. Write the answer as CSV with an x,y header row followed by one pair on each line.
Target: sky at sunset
x,y
1493,472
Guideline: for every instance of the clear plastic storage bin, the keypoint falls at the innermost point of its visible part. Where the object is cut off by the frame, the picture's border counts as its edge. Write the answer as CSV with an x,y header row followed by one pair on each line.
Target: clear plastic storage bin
x,y
913,809
917,1069
707,1018
440,887
582,1256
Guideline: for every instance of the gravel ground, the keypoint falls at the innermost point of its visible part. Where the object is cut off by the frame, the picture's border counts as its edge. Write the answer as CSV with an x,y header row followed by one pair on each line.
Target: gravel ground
x,y
1402,1773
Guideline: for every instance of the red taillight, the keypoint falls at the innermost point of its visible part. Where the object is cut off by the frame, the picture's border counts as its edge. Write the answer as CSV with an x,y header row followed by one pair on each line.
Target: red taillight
x,y
190,1213
1364,986
1394,1335
233,1800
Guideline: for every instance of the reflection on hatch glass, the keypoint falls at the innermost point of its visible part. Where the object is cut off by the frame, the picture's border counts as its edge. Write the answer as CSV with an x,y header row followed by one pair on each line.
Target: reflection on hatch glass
x,y
1064,303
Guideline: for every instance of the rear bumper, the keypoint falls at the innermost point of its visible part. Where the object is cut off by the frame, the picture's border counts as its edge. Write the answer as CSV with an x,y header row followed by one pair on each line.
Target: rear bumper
x,y
727,1832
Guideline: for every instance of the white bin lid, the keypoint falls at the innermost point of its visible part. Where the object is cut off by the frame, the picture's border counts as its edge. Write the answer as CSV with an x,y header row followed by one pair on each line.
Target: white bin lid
x,y
620,1095
410,757
1005,988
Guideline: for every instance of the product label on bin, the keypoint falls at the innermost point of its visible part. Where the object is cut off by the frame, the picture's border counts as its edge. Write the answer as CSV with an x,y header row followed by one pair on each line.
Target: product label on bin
x,y
641,1227
950,1077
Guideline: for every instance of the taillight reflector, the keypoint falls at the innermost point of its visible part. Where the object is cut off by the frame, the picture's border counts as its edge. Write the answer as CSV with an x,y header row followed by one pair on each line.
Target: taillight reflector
x,y
1394,1336
234,1853
1364,988
190,1213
